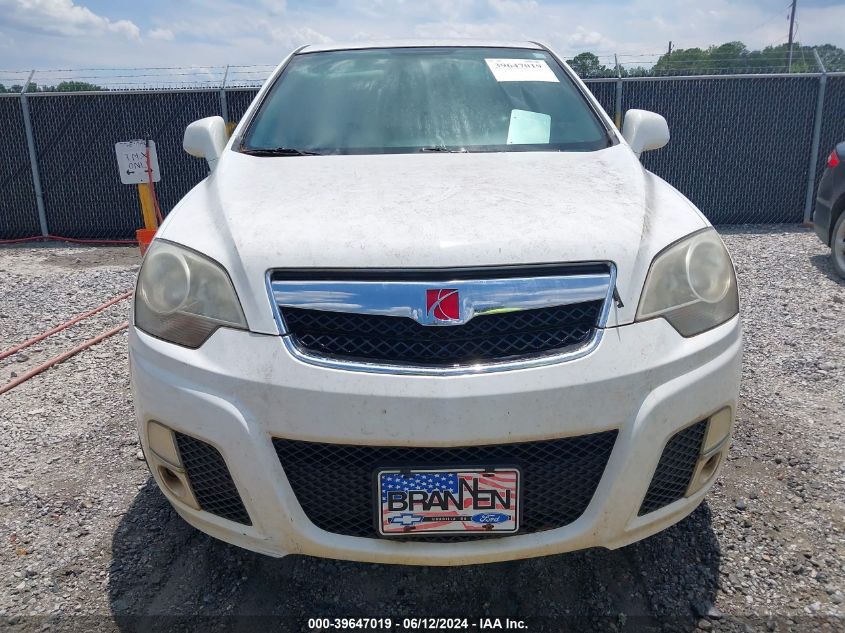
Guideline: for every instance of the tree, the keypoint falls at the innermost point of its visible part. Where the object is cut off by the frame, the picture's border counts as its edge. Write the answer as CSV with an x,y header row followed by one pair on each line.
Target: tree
x,y
832,57
724,59
64,86
734,57
72,86
636,71
588,65
730,57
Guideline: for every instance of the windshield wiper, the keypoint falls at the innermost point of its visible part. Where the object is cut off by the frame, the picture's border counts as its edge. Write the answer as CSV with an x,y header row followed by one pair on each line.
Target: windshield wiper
x,y
279,151
443,148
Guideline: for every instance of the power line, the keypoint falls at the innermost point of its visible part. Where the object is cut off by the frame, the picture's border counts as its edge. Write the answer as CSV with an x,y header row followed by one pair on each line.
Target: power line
x,y
791,24
770,20
800,48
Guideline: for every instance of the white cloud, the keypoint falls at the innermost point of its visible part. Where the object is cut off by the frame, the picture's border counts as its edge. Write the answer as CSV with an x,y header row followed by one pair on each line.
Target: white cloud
x,y
469,30
584,38
218,32
274,7
253,37
165,35
292,36
63,17
513,8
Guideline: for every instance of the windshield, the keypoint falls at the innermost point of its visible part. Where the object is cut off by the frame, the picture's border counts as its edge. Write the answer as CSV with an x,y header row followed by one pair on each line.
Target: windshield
x,y
399,100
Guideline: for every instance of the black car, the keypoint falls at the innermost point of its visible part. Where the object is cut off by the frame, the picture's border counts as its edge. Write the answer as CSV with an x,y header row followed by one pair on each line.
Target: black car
x,y
829,215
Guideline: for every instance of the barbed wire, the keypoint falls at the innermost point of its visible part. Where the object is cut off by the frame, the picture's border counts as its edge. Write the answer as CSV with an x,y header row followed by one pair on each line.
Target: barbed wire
x,y
708,62
253,75
152,77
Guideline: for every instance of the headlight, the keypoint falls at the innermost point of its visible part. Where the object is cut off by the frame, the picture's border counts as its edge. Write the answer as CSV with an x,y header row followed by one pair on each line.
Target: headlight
x,y
182,296
691,284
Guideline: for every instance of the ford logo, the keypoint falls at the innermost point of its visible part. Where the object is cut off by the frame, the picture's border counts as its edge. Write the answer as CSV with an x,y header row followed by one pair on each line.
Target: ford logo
x,y
490,517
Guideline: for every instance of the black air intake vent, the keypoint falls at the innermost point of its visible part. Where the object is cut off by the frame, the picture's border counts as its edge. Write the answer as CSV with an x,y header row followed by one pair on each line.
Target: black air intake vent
x,y
559,477
210,479
675,469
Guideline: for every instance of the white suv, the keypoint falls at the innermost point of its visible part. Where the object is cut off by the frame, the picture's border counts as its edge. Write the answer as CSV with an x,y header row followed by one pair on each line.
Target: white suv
x,y
428,307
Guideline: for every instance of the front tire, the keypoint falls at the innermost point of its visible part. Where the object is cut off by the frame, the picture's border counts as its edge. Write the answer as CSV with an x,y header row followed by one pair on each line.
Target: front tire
x,y
837,246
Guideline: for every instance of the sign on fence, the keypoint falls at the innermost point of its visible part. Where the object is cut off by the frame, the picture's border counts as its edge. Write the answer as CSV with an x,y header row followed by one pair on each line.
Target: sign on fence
x,y
132,161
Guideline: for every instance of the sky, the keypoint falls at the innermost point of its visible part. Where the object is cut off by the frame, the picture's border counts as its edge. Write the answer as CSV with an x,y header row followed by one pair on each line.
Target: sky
x,y
47,34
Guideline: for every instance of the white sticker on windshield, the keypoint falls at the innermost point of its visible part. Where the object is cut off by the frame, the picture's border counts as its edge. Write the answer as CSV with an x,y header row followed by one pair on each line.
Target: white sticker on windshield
x,y
521,70
529,128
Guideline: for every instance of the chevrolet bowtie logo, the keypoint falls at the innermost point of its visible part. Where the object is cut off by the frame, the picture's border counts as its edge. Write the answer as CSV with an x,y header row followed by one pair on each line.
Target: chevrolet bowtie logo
x,y
406,519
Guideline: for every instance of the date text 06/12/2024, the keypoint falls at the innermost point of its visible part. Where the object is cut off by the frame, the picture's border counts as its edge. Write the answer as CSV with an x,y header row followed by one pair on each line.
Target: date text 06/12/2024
x,y
415,624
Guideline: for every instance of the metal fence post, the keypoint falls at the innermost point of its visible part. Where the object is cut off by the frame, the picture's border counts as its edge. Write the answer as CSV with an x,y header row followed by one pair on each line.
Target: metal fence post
x,y
224,105
33,162
814,149
618,114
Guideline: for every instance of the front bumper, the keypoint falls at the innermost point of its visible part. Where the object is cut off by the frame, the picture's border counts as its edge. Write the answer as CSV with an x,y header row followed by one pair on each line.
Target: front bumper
x,y
821,220
240,390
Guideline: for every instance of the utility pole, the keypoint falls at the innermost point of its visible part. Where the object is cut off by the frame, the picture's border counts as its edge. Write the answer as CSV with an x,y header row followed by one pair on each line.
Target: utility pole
x,y
791,25
670,48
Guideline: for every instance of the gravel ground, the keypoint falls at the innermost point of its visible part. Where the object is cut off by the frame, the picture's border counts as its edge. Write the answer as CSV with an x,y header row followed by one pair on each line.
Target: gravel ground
x,y
86,534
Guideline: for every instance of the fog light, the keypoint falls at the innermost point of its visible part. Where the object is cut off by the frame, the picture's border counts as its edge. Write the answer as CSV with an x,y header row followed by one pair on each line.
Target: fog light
x,y
718,430
164,460
163,444
713,448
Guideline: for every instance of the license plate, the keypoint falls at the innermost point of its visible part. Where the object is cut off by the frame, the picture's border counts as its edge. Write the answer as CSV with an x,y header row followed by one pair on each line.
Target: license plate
x,y
438,501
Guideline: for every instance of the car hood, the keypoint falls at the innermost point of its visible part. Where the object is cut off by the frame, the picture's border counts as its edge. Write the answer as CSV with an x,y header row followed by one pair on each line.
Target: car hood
x,y
429,210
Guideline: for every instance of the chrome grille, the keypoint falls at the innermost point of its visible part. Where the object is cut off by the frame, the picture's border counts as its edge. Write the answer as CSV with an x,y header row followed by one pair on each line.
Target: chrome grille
x,y
485,338
387,320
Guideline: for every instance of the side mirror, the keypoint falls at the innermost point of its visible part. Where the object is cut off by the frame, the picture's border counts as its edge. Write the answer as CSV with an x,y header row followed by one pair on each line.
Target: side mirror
x,y
206,138
645,130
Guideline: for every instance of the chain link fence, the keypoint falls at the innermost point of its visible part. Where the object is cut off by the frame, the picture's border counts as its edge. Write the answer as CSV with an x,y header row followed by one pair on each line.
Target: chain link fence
x,y
74,143
18,210
744,149
605,91
832,120
239,101
740,147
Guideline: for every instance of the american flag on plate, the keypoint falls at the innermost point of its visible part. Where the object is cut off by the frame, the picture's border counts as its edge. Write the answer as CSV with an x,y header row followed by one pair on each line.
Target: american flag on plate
x,y
448,501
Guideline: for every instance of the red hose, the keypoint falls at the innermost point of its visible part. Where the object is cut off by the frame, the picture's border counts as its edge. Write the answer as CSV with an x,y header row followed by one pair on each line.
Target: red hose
x,y
64,325
63,356
59,238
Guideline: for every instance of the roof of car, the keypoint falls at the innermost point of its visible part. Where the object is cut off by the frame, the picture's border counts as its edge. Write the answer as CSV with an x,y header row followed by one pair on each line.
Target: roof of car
x,y
339,46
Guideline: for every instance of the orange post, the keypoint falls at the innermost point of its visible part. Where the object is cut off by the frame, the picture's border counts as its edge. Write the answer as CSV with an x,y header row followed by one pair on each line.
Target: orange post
x,y
145,235
147,206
